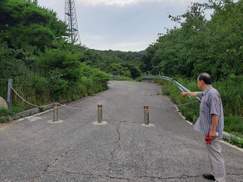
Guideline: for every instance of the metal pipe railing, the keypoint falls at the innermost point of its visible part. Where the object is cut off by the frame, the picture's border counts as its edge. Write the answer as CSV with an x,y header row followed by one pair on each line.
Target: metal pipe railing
x,y
181,87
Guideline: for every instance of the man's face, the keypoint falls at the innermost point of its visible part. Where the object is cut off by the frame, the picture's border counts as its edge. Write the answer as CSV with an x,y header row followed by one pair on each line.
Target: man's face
x,y
200,84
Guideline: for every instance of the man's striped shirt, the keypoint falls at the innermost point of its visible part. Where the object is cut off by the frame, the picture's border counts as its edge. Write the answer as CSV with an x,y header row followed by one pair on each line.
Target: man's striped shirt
x,y
211,104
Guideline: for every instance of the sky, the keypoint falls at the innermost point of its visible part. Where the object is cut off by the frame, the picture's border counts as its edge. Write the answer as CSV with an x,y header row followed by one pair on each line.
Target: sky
x,y
126,25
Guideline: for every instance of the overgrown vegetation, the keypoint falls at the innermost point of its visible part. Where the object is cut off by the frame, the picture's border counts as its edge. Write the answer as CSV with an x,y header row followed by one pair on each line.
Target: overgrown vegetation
x,y
200,45
119,64
34,52
189,107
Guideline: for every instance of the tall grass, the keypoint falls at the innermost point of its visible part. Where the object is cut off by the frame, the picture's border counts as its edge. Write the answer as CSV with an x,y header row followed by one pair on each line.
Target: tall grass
x,y
231,91
41,91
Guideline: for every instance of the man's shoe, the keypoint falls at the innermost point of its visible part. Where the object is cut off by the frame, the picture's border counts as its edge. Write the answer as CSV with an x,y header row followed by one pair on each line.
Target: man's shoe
x,y
209,177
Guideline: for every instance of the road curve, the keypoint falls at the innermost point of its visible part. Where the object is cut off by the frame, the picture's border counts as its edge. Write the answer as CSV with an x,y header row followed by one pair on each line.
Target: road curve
x,y
34,150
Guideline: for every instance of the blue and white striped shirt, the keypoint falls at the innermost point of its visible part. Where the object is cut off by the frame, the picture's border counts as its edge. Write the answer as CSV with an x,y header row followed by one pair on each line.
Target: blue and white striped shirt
x,y
211,104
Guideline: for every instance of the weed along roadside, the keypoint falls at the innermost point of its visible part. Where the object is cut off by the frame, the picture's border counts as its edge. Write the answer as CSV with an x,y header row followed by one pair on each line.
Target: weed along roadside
x,y
189,108
8,116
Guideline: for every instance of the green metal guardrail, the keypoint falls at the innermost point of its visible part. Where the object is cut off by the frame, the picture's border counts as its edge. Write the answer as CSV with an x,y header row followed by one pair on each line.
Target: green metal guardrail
x,y
227,136
181,87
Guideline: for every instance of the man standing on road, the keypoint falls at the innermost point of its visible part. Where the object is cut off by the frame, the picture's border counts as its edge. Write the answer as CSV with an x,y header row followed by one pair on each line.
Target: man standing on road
x,y
211,124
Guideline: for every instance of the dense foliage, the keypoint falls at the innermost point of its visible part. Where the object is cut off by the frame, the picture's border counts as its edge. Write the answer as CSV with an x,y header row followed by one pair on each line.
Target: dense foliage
x,y
116,63
201,45
198,45
34,52
233,107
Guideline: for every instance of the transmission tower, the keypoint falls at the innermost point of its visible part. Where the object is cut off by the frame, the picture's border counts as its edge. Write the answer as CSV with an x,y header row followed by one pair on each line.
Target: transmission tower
x,y
33,1
71,21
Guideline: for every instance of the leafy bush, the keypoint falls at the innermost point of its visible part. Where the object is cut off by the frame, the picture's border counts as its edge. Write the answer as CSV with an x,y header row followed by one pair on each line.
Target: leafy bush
x,y
231,94
44,66
201,45
66,75
3,112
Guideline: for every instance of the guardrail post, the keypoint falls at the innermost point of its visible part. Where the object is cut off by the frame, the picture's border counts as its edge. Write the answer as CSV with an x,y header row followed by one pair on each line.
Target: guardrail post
x,y
10,95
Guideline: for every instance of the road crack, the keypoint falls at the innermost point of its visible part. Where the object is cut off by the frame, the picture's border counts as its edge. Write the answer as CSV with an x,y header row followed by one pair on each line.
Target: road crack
x,y
118,141
135,178
52,164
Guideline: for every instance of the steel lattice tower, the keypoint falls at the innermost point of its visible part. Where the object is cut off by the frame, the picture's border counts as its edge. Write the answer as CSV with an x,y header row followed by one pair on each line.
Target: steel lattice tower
x,y
33,1
71,21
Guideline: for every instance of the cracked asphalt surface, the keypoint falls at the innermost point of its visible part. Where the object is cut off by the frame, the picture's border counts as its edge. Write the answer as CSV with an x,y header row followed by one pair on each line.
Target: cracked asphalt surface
x,y
34,150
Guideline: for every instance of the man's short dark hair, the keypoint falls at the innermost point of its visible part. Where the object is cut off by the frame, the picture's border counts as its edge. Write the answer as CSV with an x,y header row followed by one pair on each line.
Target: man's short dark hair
x,y
206,78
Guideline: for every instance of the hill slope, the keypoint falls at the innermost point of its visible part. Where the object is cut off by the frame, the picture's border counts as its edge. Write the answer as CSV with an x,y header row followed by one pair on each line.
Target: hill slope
x,y
44,66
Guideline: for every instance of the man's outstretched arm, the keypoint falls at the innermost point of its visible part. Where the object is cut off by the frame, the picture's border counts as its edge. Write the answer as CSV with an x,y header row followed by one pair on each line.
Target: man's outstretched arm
x,y
191,94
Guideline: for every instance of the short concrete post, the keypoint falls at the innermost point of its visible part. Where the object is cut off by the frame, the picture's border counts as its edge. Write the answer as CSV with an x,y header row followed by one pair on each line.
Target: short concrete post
x,y
99,121
146,115
55,112
55,119
99,113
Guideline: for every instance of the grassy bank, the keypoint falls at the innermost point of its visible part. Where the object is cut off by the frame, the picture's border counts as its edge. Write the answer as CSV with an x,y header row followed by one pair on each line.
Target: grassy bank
x,y
59,87
232,97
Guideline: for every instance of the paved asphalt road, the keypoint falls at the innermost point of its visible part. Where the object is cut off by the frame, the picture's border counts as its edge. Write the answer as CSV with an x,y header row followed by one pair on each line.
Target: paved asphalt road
x,y
122,151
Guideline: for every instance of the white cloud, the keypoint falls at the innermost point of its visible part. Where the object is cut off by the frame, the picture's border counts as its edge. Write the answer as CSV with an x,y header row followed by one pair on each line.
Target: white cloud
x,y
130,46
121,24
128,2
122,46
110,2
